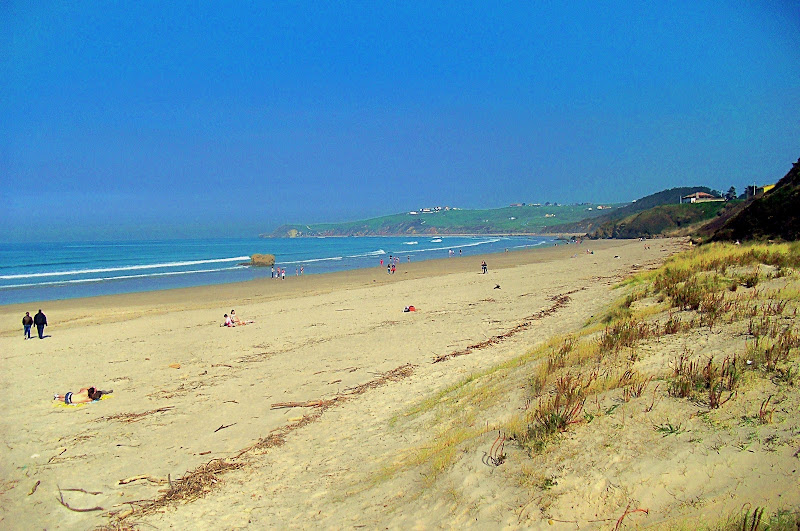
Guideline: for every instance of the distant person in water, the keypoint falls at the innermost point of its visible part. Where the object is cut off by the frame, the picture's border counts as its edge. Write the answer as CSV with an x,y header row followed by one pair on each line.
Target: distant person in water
x,y
27,322
40,320
86,394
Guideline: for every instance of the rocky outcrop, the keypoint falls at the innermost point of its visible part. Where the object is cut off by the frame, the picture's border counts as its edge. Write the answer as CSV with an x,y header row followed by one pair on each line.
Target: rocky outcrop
x,y
261,260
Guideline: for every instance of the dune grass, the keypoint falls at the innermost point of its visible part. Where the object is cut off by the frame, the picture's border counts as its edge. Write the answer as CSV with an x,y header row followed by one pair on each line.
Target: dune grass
x,y
703,288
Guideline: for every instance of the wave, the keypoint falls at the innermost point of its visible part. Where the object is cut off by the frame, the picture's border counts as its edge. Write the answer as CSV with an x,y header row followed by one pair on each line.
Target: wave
x,y
547,242
447,248
125,268
410,243
311,260
379,252
437,240
120,277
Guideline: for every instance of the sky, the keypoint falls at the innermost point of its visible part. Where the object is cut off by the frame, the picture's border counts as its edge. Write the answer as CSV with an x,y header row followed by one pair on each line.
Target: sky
x,y
198,119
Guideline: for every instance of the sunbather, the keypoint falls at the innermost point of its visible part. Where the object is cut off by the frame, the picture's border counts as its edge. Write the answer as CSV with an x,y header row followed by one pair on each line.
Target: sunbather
x,y
236,321
86,394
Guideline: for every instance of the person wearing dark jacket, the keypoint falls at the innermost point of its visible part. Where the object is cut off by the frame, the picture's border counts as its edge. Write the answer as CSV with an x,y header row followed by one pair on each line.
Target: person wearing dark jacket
x,y
40,320
27,322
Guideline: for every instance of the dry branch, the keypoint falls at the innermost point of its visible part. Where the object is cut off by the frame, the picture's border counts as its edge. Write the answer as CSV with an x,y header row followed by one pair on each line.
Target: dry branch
x,y
151,479
135,417
65,504
310,403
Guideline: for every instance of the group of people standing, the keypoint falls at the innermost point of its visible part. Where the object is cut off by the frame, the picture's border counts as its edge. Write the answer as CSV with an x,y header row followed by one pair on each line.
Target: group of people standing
x,y
40,320
391,264
281,272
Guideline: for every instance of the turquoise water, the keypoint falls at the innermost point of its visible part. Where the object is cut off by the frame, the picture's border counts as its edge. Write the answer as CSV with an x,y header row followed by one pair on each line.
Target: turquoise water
x,y
49,271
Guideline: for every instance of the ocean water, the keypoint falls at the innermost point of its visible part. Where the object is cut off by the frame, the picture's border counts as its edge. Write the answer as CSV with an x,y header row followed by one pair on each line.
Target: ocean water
x,y
32,272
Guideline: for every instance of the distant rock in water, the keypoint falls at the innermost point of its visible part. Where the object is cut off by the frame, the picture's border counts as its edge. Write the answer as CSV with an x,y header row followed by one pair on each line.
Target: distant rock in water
x,y
262,260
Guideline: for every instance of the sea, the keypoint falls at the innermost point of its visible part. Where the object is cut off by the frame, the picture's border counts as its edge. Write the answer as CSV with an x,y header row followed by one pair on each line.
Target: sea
x,y
31,272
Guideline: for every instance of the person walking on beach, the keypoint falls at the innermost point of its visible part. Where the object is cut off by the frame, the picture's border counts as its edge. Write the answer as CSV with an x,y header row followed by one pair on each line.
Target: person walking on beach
x,y
40,320
27,322
484,267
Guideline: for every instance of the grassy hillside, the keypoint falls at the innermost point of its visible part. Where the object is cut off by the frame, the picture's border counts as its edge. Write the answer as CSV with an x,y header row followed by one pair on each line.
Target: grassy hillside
x,y
661,220
664,197
775,215
507,220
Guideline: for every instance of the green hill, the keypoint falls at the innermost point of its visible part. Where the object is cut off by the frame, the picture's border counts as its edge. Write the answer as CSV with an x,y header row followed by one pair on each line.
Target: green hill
x,y
662,220
525,219
775,215
664,197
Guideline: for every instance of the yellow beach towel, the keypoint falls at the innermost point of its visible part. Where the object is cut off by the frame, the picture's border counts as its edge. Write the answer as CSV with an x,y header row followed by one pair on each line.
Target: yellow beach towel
x,y
60,403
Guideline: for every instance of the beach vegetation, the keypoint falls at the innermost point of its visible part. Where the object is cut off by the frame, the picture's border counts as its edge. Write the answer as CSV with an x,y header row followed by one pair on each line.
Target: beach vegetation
x,y
754,519
564,382
669,428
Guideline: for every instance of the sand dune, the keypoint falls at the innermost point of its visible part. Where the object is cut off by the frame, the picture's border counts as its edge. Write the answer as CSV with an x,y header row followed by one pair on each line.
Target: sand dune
x,y
189,393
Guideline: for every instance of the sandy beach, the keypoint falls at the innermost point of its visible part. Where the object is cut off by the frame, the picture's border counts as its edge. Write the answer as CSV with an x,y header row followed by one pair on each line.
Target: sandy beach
x,y
189,393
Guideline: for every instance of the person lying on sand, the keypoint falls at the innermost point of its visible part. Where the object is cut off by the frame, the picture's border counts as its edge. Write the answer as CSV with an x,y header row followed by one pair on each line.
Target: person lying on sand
x,y
236,321
86,394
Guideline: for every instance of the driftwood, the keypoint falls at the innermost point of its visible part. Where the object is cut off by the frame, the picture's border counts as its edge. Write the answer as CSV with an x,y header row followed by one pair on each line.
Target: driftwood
x,y
310,403
57,455
65,504
135,417
223,426
93,493
151,479
35,486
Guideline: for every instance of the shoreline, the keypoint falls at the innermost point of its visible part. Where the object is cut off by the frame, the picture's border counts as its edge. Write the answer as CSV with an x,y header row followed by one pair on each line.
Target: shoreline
x,y
267,288
188,391
179,269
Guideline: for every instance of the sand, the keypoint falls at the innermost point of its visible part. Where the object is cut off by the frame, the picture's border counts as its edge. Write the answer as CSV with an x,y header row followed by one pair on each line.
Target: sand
x,y
188,392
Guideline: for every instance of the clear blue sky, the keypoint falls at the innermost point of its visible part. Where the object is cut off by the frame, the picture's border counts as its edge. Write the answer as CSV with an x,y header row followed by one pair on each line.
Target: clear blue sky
x,y
149,119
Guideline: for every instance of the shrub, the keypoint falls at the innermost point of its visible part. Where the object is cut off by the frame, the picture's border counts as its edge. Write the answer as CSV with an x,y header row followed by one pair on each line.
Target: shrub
x,y
626,333
557,411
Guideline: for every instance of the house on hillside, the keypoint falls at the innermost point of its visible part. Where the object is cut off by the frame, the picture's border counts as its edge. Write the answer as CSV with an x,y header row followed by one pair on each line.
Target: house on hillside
x,y
760,190
700,197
